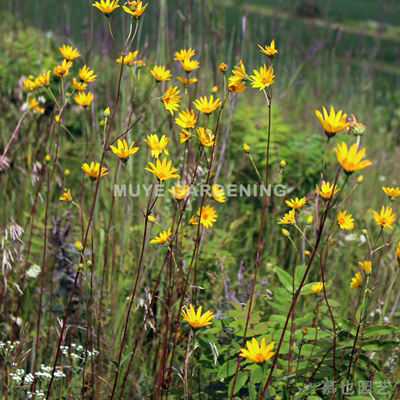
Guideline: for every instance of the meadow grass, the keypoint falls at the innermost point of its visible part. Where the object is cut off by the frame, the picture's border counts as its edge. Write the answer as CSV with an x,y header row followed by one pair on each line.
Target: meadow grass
x,y
102,318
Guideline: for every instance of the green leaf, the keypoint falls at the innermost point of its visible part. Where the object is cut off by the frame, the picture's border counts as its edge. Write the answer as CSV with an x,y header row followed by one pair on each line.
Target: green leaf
x,y
240,381
227,369
252,391
285,279
375,345
300,271
376,330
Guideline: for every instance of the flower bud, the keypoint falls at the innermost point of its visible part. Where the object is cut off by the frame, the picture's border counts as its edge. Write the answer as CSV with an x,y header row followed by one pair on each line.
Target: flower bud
x,y
107,112
332,241
357,129
102,123
364,232
282,164
78,247
214,89
67,172
310,220
47,159
398,253
307,253
223,67
285,232
57,118
246,148
360,179
89,263
140,64
304,331
151,218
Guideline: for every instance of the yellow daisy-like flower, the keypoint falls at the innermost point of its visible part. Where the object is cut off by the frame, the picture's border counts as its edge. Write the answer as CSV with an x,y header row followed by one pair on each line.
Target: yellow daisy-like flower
x,y
239,73
123,151
186,81
270,50
356,281
157,146
160,73
317,287
106,6
386,218
392,193
345,222
184,135
218,193
63,70
86,74
129,58
94,170
68,52
78,246
208,216
66,196
183,54
289,218
43,79
30,84
350,159
296,203
179,192
263,78
163,170
171,99
196,320
33,104
78,85
207,106
206,137
256,353
366,266
235,86
83,99
162,237
135,8
326,190
186,119
194,220
189,65
332,123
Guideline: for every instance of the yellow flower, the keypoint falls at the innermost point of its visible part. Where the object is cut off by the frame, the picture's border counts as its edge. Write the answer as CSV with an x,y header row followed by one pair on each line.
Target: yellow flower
x,y
66,196
78,85
207,106
184,135
68,52
107,112
317,287
256,353
171,99
47,158
161,74
67,172
34,105
360,179
43,79
264,78
194,220
162,237
106,6
386,218
214,89
289,218
102,123
208,216
350,159
186,119
157,146
184,54
392,193
179,192
223,67
86,74
270,50
128,59
206,138
63,70
196,320
356,281
326,190
190,65
163,170
135,8
218,193
235,86
123,151
307,253
332,123
78,246
239,73
296,203
366,266
345,221
186,81
398,252
246,148
30,84
310,220
151,218
94,170
83,99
